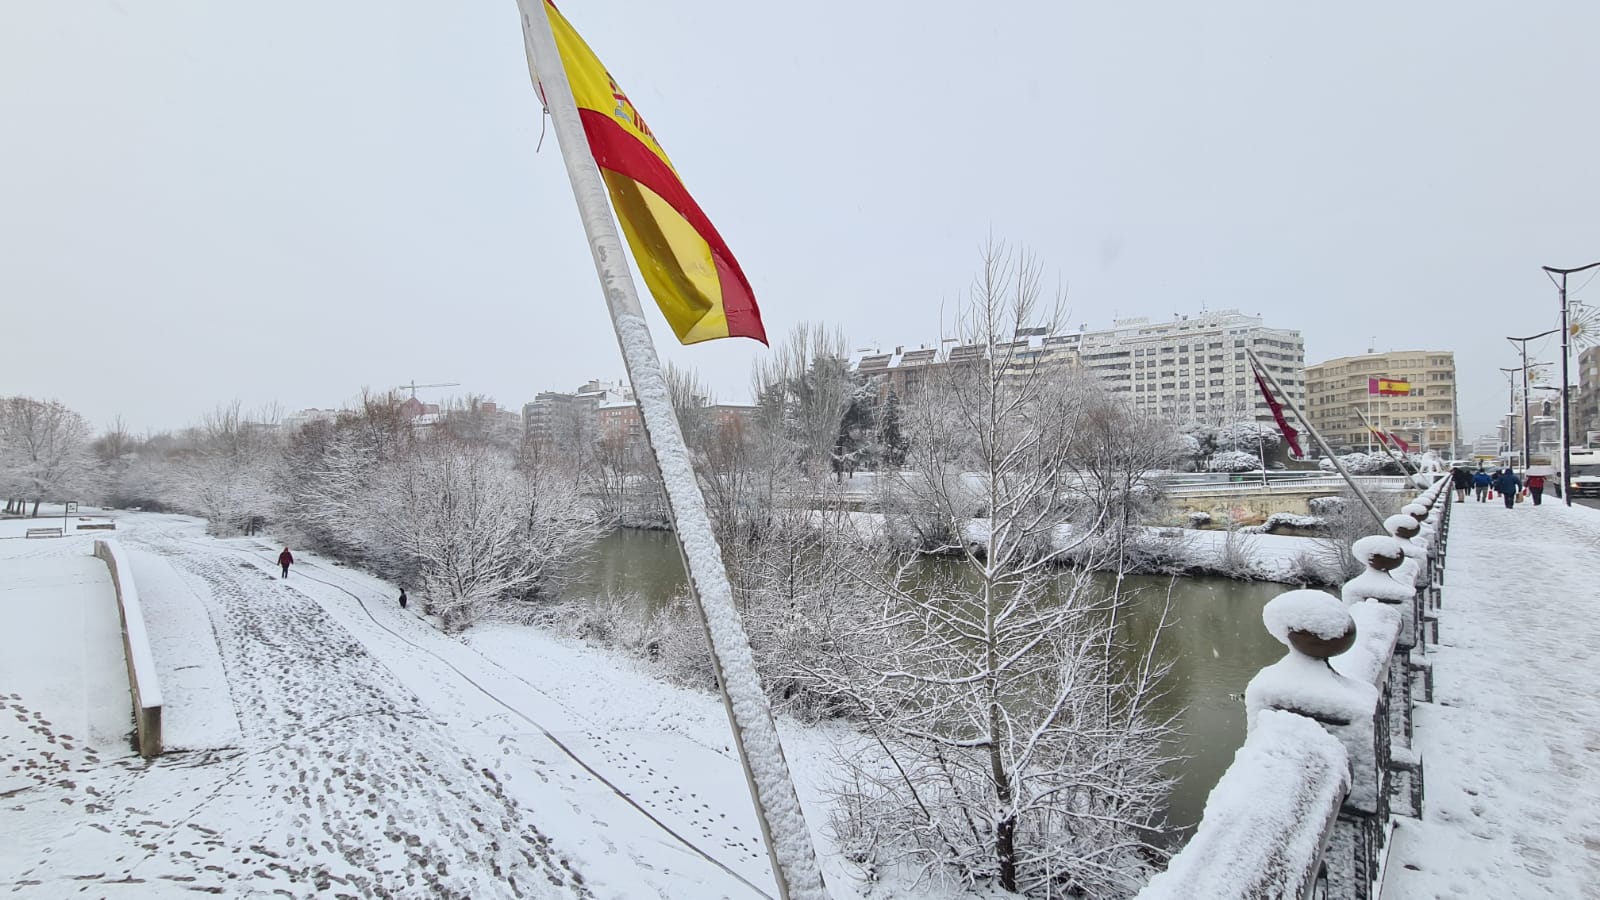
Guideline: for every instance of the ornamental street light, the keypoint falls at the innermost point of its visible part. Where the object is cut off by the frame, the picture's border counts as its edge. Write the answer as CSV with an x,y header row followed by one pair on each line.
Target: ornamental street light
x,y
1566,406
1522,344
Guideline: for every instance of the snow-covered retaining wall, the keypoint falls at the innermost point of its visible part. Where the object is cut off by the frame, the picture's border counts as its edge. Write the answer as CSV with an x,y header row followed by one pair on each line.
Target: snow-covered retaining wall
x,y
1305,808
142,681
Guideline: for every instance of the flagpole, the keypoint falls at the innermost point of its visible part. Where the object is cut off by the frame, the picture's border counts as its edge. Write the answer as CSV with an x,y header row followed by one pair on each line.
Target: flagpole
x,y
766,772
1317,436
1400,460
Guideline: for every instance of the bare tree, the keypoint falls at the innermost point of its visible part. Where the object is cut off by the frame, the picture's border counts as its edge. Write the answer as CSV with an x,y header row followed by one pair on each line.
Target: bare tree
x,y
1116,453
1013,735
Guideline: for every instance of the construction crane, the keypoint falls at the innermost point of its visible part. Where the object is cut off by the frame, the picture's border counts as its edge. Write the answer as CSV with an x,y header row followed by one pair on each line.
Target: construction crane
x,y
413,386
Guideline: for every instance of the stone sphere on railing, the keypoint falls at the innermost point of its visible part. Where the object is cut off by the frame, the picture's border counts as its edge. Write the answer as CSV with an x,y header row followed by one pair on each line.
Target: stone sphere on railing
x,y
1402,526
1310,622
1379,551
1415,510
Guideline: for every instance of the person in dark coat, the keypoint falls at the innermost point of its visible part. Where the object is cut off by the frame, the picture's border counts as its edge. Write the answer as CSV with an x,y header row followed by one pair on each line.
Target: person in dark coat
x,y
1508,484
1536,488
402,598
285,559
1480,483
1460,479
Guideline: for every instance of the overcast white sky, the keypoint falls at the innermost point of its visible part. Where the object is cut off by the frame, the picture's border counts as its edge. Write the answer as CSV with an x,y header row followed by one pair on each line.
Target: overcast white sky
x,y
204,201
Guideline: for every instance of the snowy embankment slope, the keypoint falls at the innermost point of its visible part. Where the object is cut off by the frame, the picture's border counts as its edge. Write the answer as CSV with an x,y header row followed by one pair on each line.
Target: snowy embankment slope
x,y
1511,744
351,747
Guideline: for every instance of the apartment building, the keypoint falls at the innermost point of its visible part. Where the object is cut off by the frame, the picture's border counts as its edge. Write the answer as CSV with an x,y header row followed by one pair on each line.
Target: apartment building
x,y
1190,368
1195,368
1586,406
1340,391
557,418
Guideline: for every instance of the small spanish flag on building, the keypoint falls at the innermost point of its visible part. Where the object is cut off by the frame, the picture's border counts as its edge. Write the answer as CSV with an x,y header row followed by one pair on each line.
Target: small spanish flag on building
x,y
1388,387
695,279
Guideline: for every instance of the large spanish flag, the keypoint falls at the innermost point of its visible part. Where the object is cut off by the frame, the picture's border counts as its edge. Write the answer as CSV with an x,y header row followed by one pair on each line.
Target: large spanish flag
x,y
695,280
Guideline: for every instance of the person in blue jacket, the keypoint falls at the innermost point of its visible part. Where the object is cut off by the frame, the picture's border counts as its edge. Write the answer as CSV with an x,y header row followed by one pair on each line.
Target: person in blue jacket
x,y
1508,484
1480,485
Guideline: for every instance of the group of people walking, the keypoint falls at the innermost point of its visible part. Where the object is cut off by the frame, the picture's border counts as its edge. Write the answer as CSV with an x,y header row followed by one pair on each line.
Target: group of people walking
x,y
1503,481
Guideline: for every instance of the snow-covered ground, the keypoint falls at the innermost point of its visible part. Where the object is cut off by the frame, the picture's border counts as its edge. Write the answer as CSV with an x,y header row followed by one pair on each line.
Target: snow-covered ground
x,y
326,741
1512,744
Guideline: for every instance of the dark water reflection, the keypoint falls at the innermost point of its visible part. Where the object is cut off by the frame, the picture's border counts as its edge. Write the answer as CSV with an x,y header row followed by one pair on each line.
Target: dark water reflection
x,y
1215,645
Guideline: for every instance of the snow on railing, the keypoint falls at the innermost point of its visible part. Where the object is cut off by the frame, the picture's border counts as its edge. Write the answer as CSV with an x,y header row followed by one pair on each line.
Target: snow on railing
x,y
1327,757
142,681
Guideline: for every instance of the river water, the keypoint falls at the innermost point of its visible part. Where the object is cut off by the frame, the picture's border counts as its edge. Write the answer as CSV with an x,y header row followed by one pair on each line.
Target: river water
x,y
1215,644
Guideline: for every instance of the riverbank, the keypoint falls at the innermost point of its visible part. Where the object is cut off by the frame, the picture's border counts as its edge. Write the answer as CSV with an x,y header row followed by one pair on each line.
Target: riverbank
x,y
1236,554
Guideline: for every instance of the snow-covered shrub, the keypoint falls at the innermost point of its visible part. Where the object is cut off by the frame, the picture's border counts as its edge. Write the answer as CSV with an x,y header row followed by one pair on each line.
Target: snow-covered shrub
x,y
1326,506
616,620
1236,557
1248,436
1233,461
1359,463
1199,519
1279,521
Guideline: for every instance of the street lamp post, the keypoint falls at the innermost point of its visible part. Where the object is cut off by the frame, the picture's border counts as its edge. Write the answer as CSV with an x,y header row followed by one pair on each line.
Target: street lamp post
x,y
1522,344
1511,407
1566,408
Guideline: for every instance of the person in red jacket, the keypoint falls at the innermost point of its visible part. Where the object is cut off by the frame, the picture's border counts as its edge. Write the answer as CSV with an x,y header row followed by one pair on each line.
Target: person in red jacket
x,y
285,559
1536,488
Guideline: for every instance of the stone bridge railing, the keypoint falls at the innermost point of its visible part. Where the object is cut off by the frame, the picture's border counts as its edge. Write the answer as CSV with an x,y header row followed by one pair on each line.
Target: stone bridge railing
x,y
1305,808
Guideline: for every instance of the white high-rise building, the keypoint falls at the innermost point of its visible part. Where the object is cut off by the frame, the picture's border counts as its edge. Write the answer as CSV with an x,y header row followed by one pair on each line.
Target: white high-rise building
x,y
1195,367
1192,368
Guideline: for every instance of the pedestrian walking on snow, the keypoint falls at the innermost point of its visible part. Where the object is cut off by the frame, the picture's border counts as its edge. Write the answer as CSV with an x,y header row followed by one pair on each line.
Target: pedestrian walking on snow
x,y
285,559
1460,479
1508,484
402,598
1536,488
1480,484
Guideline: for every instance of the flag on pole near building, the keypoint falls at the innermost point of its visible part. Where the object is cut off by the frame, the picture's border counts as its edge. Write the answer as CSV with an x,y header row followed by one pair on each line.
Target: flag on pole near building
x,y
1388,387
1395,440
691,273
1290,436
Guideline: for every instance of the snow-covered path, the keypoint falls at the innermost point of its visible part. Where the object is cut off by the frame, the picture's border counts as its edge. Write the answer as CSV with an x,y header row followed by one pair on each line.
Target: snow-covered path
x,y
1512,744
341,782
327,742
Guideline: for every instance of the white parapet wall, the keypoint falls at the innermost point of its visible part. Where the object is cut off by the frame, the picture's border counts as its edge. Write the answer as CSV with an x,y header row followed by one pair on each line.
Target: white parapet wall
x,y
1267,821
142,681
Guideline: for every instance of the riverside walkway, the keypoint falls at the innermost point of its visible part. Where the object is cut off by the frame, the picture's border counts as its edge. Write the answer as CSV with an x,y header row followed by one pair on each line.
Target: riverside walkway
x,y
1512,741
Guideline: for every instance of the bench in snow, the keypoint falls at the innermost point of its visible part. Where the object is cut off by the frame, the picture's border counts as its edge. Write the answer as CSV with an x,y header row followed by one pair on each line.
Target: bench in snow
x,y
45,532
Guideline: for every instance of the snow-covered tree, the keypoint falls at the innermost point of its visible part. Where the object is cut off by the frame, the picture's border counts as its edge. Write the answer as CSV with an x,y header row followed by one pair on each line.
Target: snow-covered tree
x,y
44,454
478,530
228,477
803,389
1116,453
1248,436
1011,741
